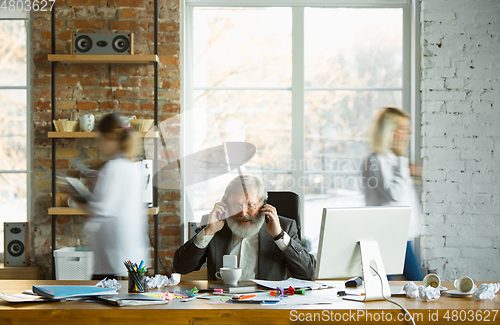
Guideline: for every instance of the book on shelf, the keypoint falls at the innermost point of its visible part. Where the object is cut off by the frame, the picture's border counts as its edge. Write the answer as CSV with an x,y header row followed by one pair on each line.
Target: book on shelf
x,y
240,287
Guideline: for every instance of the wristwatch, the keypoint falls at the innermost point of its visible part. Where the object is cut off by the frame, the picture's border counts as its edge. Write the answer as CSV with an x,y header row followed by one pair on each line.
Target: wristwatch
x,y
280,235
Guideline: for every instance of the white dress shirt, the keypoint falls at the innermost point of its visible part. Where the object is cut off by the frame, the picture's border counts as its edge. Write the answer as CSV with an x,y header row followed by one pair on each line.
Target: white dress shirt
x,y
246,249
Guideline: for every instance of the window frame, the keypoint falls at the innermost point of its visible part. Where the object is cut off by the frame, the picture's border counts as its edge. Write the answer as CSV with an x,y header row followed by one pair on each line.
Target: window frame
x,y
411,72
27,17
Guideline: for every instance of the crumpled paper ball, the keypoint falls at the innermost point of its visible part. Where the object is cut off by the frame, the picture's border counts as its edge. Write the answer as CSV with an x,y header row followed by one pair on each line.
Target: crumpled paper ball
x,y
486,291
428,293
159,281
109,283
411,290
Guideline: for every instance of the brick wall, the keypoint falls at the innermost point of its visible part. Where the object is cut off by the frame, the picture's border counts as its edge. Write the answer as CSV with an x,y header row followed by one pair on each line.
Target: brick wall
x,y
86,89
461,137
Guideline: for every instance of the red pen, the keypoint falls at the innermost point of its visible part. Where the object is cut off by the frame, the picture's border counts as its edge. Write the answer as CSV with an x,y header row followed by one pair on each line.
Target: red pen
x,y
246,297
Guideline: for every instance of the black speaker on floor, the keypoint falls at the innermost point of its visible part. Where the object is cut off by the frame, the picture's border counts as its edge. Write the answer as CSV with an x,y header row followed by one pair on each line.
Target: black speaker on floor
x,y
15,243
102,43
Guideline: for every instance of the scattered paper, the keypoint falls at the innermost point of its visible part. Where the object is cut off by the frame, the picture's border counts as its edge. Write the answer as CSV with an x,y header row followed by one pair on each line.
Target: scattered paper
x,y
19,297
292,282
487,291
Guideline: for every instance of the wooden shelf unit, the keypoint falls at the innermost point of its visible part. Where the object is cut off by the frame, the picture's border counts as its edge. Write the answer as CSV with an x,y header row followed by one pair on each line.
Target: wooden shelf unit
x,y
78,212
54,134
55,59
100,59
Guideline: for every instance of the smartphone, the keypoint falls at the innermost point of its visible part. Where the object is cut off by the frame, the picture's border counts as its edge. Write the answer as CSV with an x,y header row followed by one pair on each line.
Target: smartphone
x,y
268,220
223,215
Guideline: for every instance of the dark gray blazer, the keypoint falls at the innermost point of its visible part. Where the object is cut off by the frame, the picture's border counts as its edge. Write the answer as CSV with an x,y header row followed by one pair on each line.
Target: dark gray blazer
x,y
273,263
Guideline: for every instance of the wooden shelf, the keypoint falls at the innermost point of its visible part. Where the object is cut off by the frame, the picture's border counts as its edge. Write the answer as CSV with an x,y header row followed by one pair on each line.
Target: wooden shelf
x,y
77,212
98,59
52,134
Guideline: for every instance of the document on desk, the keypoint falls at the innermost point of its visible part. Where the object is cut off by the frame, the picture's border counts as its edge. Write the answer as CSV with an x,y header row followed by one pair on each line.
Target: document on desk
x,y
294,283
19,297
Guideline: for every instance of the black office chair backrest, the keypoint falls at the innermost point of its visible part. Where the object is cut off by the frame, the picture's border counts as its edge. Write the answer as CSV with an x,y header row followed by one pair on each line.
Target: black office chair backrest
x,y
287,204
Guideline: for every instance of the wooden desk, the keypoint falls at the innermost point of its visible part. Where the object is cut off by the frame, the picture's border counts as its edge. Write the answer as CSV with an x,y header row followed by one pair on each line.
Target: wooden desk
x,y
444,310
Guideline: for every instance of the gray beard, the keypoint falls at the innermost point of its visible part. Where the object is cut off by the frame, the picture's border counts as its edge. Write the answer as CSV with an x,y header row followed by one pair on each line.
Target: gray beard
x,y
245,232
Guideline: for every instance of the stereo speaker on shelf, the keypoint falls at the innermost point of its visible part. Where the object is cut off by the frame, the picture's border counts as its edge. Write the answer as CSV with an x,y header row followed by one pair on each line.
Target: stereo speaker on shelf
x,y
102,43
15,243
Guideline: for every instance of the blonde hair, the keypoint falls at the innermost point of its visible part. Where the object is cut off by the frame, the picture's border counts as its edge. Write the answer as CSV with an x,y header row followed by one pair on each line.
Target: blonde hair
x,y
384,128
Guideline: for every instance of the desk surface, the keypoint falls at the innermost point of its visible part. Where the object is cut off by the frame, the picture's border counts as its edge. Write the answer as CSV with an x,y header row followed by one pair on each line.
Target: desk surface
x,y
444,310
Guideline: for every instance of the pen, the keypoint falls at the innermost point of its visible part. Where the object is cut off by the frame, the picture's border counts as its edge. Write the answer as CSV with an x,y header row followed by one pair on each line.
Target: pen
x,y
246,297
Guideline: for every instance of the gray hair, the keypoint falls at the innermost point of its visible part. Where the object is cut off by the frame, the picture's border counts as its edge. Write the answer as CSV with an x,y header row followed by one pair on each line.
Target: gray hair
x,y
244,183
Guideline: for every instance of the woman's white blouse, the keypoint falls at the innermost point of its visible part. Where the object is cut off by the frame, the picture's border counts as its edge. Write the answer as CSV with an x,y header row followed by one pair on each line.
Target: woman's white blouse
x,y
119,221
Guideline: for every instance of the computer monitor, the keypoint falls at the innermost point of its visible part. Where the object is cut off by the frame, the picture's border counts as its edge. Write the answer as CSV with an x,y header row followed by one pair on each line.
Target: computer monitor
x,y
352,240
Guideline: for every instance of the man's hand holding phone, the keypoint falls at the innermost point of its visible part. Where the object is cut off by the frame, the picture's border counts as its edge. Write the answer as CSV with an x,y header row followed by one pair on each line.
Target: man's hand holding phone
x,y
273,225
216,219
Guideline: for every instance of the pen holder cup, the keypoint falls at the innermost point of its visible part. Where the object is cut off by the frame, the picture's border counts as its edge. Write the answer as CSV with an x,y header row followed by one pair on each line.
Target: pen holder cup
x,y
136,281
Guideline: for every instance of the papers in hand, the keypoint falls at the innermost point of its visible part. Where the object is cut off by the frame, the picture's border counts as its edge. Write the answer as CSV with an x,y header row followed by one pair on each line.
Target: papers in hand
x,y
81,192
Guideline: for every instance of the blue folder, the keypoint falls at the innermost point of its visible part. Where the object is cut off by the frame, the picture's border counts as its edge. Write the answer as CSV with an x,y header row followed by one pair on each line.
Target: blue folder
x,y
70,291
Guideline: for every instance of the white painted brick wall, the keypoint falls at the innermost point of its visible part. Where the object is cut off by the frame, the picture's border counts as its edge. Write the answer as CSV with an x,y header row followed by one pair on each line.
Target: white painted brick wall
x,y
461,137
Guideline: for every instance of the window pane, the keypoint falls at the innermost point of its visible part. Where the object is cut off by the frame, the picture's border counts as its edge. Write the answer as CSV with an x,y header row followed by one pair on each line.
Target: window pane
x,y
12,200
337,136
242,47
12,129
12,53
262,118
353,47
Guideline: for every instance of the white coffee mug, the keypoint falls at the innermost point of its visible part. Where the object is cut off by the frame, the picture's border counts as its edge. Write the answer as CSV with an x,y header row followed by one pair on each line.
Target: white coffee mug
x,y
465,285
230,275
126,119
432,280
87,122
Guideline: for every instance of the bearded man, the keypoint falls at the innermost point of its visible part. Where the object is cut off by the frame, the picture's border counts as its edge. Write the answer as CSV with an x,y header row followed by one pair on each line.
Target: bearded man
x,y
242,224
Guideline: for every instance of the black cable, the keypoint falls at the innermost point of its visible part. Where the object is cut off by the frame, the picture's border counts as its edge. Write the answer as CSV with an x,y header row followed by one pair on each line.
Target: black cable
x,y
41,269
389,300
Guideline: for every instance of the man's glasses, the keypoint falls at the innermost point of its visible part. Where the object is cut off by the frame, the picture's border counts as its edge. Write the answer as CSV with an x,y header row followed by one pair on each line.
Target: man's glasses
x,y
249,208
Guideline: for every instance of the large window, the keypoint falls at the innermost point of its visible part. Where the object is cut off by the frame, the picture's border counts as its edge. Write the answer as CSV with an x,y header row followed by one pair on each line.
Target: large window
x,y
13,119
299,83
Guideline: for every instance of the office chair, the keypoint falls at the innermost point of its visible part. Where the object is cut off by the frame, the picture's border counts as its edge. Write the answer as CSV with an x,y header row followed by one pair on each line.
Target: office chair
x,y
287,204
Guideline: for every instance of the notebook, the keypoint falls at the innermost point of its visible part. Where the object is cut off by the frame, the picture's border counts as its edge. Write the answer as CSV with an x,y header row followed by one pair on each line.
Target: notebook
x,y
240,287
136,299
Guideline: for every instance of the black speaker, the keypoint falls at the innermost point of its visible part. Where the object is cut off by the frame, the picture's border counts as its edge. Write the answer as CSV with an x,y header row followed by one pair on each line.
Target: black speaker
x,y
102,43
15,243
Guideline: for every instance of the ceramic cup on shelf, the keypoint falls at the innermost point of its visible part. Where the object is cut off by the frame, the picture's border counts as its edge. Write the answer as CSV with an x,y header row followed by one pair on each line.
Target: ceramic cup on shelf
x,y
126,119
87,122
